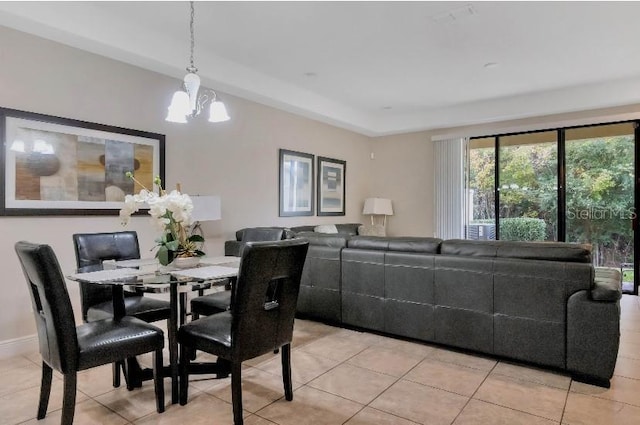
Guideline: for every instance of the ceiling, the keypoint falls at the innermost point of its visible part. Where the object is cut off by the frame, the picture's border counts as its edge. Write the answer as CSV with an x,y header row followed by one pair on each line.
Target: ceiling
x,y
376,68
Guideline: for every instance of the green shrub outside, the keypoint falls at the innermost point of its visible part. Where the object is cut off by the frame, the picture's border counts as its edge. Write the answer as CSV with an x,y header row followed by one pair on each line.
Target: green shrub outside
x,y
522,229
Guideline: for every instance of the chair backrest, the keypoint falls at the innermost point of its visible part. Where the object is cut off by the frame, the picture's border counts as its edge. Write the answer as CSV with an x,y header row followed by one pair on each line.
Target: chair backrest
x,y
91,250
266,294
52,309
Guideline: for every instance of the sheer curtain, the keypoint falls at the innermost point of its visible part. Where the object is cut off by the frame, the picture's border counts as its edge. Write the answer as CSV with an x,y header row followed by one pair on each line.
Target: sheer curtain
x,y
450,199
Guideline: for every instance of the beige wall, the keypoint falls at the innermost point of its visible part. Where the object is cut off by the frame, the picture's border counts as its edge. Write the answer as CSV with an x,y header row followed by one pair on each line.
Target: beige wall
x,y
403,172
237,160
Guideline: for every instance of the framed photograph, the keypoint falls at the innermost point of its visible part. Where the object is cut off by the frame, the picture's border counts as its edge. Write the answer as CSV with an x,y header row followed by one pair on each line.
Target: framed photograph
x,y
60,166
296,183
331,186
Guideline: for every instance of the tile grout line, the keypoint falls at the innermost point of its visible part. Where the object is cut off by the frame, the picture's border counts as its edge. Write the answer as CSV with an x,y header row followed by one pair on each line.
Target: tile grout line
x,y
474,393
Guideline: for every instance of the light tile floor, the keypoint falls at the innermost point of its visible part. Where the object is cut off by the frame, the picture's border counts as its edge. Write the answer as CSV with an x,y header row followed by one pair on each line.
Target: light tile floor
x,y
353,378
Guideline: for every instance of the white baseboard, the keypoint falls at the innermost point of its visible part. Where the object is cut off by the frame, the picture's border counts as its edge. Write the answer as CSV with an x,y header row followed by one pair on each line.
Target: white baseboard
x,y
18,346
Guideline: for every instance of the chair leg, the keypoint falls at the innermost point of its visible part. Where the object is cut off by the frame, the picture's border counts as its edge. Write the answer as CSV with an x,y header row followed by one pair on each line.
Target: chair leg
x,y
195,316
132,373
158,380
236,392
69,398
185,357
116,373
286,372
128,379
45,390
223,368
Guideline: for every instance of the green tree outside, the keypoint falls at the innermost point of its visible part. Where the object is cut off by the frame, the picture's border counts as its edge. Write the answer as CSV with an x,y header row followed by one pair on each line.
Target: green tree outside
x,y
599,191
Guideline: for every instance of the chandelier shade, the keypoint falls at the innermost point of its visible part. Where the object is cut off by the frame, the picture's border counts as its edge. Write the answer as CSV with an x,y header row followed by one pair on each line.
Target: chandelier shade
x,y
179,108
189,101
218,112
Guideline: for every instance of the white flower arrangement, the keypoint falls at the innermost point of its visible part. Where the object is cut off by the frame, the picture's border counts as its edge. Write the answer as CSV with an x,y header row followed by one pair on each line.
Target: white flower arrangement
x,y
171,213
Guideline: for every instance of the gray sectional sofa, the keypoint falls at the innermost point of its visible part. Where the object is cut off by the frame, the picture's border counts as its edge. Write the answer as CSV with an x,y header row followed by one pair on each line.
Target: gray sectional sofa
x,y
534,302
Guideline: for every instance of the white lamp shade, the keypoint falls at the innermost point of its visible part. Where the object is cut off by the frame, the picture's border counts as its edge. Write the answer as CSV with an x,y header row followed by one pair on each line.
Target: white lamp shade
x,y
18,146
218,112
179,108
206,208
43,147
377,206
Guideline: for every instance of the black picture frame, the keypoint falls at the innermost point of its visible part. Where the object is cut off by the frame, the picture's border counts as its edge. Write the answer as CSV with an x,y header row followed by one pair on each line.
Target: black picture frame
x,y
61,166
331,190
295,178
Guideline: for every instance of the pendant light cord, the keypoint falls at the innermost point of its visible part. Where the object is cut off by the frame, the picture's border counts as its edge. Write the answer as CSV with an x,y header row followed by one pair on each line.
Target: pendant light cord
x,y
192,67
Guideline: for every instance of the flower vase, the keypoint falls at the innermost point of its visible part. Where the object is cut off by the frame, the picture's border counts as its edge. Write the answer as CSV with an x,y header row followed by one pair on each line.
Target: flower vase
x,y
185,262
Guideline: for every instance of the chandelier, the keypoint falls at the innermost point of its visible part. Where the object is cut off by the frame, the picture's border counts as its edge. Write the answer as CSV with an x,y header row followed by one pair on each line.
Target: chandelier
x,y
189,101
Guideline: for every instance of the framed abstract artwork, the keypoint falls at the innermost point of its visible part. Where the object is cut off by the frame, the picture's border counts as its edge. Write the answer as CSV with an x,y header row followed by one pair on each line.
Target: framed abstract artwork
x,y
60,166
331,186
296,183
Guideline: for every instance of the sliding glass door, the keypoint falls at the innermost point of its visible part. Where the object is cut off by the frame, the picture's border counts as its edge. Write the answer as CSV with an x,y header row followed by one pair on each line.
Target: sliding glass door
x,y
570,184
527,187
600,180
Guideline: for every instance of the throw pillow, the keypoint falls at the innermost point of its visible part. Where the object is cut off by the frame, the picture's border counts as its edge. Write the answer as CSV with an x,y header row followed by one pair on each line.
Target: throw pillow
x,y
326,228
372,230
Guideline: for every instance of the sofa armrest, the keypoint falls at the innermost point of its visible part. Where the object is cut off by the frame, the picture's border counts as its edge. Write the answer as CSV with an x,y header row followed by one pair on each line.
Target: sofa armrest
x,y
233,248
607,285
593,338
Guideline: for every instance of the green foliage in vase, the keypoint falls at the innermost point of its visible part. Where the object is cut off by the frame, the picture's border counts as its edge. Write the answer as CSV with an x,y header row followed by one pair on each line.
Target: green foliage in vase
x,y
171,213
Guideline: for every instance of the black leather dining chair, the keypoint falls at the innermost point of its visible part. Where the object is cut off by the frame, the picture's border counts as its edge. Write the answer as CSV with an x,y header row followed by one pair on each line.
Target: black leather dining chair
x,y
209,304
70,349
260,320
96,300
206,305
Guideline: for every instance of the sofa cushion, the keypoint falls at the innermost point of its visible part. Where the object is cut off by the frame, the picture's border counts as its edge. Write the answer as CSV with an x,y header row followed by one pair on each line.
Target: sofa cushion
x,y
369,242
402,244
325,239
258,234
469,248
550,251
326,228
415,244
300,229
345,228
348,228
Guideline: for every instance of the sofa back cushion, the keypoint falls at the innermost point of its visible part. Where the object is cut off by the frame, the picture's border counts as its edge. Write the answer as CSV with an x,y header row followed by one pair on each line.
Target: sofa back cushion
x,y
402,244
547,251
258,234
348,228
345,228
469,248
300,229
324,239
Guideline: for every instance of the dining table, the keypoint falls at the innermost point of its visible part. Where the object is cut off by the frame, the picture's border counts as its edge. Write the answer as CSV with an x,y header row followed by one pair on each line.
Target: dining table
x,y
147,275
